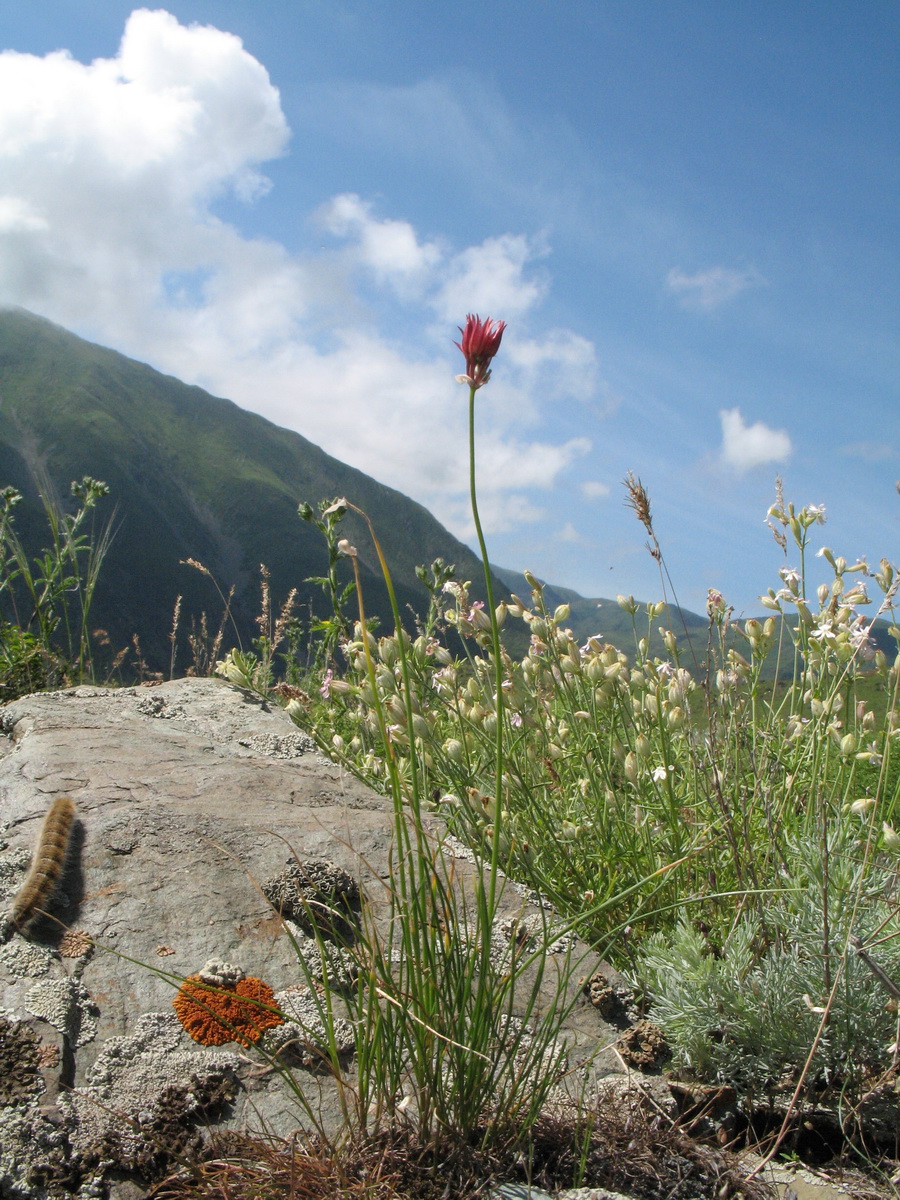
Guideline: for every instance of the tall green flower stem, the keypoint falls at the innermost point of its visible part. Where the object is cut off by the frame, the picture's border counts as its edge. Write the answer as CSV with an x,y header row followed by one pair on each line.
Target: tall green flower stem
x,y
498,660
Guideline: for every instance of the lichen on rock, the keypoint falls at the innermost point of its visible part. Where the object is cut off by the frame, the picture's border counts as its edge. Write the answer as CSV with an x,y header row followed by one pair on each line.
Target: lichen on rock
x,y
67,1006
25,960
20,1065
304,1037
318,895
219,973
143,1097
215,1013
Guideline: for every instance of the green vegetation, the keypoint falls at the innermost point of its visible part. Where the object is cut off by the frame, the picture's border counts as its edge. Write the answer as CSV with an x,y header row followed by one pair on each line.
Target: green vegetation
x,y
712,804
722,826
725,833
45,602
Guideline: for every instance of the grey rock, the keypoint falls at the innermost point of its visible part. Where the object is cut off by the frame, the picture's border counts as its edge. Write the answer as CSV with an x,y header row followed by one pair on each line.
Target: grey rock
x,y
195,801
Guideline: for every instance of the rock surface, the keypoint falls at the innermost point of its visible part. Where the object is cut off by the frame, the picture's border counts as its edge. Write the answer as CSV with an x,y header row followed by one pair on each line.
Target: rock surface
x,y
191,798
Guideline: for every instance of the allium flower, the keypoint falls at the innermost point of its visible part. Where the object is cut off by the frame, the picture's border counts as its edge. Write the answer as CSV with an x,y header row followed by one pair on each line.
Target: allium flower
x,y
480,342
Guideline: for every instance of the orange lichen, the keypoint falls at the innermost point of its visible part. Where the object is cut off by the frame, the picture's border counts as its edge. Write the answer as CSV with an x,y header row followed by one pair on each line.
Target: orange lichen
x,y
215,1015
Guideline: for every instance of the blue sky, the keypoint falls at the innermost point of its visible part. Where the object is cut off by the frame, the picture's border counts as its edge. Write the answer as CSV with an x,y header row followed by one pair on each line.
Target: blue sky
x,y
685,211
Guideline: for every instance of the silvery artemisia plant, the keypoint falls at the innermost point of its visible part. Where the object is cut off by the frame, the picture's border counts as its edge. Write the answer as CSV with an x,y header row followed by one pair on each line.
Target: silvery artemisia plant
x,y
747,1010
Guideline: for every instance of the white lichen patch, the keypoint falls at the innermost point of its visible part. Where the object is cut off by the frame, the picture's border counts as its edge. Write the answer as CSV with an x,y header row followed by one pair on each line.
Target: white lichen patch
x,y
25,1140
13,865
157,706
67,1006
23,960
219,973
533,931
130,1076
326,963
304,1035
274,745
151,1055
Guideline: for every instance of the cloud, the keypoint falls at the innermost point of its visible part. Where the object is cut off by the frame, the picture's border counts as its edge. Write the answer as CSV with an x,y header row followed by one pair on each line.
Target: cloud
x,y
109,169
490,279
569,533
710,289
748,446
389,248
560,363
111,172
592,489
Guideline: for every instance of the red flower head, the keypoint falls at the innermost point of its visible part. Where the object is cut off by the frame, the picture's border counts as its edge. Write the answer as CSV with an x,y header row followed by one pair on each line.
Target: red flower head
x,y
480,342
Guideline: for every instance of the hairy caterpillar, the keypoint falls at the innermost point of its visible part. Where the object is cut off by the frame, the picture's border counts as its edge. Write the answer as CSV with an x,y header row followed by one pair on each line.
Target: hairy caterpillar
x,y
46,864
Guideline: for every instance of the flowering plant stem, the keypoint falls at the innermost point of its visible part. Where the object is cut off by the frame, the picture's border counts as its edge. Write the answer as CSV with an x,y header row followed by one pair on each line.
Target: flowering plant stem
x,y
498,656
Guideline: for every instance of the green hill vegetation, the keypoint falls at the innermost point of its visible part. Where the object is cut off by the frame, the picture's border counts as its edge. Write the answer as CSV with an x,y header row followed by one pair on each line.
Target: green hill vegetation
x,y
191,476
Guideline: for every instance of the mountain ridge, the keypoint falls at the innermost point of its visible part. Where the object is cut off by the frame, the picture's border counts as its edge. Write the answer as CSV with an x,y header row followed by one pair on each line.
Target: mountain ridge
x,y
193,476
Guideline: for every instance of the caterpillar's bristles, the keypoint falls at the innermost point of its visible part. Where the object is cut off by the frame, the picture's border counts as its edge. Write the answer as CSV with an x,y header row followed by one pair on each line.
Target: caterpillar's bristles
x,y
46,864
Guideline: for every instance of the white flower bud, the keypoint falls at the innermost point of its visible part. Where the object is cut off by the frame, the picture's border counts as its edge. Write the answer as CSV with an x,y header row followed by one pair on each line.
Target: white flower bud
x,y
454,750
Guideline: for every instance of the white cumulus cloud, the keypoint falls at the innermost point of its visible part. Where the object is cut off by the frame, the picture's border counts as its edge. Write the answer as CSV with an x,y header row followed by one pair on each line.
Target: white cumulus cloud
x,y
110,173
389,248
710,289
491,278
748,446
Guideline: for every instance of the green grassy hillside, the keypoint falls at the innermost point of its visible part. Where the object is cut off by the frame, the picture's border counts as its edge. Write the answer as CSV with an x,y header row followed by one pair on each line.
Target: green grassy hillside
x,y
191,475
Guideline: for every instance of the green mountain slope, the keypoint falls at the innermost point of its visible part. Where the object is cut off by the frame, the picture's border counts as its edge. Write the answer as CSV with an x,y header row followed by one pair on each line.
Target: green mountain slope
x,y
193,476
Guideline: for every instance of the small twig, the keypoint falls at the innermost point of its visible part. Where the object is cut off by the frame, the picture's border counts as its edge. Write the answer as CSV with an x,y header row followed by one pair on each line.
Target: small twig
x,y
873,966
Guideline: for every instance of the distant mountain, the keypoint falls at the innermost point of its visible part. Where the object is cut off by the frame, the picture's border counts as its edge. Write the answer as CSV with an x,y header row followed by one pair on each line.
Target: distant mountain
x,y
191,476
